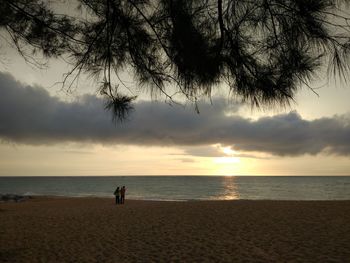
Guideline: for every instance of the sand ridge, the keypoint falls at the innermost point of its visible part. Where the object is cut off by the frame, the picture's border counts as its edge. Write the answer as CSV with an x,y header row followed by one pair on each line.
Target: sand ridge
x,y
96,230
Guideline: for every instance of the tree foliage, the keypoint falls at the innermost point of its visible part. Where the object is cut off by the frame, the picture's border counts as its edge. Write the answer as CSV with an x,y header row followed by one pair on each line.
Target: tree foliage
x,y
264,50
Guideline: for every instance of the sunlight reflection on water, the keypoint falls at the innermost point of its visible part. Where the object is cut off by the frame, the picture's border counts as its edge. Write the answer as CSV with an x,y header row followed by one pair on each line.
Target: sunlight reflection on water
x,y
229,189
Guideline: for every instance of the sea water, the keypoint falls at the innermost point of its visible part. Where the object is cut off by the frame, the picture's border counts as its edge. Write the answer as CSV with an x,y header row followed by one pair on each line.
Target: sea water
x,y
185,187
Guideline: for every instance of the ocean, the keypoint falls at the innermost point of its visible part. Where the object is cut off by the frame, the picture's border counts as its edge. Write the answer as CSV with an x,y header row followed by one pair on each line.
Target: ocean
x,y
183,188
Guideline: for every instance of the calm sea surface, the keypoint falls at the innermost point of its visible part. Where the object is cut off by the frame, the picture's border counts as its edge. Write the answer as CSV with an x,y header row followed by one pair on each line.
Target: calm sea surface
x,y
186,187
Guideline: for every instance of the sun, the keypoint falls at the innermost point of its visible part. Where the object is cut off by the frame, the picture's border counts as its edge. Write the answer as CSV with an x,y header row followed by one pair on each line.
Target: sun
x,y
227,150
229,157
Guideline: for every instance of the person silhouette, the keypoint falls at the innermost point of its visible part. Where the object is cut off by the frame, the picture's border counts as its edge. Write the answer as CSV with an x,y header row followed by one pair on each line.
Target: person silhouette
x,y
122,194
117,195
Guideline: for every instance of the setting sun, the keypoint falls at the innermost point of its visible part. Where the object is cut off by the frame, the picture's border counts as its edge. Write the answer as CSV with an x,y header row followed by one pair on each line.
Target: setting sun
x,y
227,150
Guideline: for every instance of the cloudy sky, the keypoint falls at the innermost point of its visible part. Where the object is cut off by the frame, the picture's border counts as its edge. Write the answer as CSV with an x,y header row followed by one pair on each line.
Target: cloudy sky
x,y
45,131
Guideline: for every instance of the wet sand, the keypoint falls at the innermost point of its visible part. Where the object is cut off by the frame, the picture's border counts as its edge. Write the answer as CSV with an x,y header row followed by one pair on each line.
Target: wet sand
x,y
96,230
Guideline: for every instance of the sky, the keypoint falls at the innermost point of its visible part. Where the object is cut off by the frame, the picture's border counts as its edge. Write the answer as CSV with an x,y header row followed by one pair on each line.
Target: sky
x,y
46,131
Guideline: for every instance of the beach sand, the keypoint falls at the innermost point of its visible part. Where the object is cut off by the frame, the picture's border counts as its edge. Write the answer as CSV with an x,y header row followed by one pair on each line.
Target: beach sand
x,y
96,230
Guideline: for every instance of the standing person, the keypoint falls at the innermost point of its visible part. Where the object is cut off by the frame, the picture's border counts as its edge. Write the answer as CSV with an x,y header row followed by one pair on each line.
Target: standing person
x,y
117,194
122,194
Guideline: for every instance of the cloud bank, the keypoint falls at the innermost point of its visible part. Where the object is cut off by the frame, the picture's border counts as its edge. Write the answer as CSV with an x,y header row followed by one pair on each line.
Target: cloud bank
x,y
29,115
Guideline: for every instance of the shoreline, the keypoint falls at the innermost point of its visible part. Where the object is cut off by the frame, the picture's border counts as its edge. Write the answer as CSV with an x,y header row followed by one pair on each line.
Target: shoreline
x,y
168,200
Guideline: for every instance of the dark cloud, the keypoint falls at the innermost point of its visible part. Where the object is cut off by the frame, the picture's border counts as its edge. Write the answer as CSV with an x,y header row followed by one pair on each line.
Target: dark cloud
x,y
29,115
205,151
